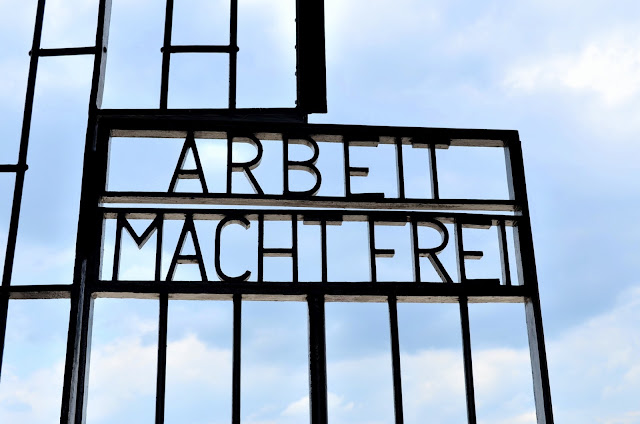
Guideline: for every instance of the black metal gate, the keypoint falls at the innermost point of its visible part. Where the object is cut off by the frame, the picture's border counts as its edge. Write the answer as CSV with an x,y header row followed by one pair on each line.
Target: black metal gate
x,y
294,206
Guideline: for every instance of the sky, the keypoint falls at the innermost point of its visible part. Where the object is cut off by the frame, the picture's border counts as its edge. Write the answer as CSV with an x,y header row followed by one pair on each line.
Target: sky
x,y
563,73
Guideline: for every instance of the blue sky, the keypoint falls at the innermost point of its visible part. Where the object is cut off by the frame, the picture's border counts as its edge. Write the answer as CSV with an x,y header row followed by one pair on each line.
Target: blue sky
x,y
565,74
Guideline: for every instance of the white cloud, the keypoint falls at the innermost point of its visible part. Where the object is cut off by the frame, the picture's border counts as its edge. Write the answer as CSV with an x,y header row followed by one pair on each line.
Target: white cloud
x,y
300,408
198,355
37,263
606,67
356,24
121,372
33,399
70,23
598,362
626,418
14,81
124,370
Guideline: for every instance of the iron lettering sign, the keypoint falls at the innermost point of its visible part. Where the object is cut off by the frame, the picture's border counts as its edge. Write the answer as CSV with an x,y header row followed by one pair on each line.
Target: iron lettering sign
x,y
328,202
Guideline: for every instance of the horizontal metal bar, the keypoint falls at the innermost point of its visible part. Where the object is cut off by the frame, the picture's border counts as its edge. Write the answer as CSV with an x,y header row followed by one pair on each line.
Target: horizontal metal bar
x,y
344,291
334,216
148,123
40,291
13,168
353,201
71,51
239,115
200,49
278,290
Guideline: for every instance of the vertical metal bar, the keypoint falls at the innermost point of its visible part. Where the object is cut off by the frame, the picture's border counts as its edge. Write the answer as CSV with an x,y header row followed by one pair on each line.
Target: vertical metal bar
x,y
457,230
415,249
158,264
4,312
229,163
84,356
523,241
310,56
233,54
468,366
237,343
400,167
504,254
323,243
317,360
99,64
372,250
24,146
118,245
294,247
347,168
395,358
260,247
433,166
162,357
20,173
166,55
537,351
89,239
285,162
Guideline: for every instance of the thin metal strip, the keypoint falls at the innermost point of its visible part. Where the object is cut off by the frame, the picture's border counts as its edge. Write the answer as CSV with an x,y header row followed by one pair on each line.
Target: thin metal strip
x,y
400,168
19,181
166,55
433,169
395,359
199,49
89,239
261,248
527,273
13,168
339,215
344,291
84,357
352,201
415,249
24,145
468,363
4,312
233,54
40,291
139,122
460,257
504,254
323,247
372,250
347,170
237,346
294,247
117,248
158,263
70,51
317,360
161,376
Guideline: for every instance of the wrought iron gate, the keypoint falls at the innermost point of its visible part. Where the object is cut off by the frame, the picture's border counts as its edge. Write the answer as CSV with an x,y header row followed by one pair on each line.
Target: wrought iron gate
x,y
295,206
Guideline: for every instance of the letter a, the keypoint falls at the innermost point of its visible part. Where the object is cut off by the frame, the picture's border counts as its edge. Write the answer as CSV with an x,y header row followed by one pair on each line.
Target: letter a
x,y
192,174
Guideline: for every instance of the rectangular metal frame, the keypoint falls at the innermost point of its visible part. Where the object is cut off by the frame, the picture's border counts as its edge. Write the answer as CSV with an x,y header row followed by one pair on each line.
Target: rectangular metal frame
x,y
87,285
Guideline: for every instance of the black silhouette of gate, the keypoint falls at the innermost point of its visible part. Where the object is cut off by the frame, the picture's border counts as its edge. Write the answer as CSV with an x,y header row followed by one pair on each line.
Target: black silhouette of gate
x,y
289,126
